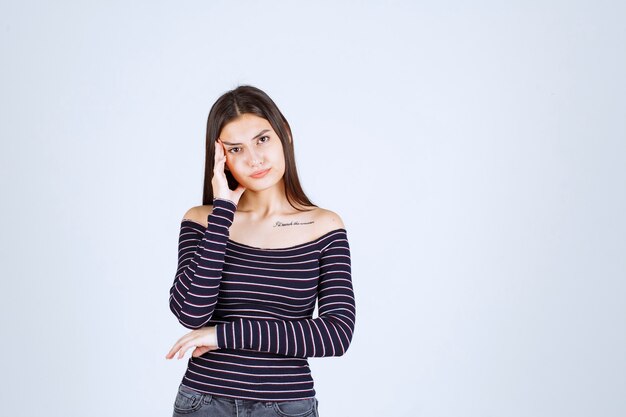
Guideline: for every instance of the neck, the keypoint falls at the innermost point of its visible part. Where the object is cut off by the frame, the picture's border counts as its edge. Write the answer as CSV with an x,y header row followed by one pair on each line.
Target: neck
x,y
265,203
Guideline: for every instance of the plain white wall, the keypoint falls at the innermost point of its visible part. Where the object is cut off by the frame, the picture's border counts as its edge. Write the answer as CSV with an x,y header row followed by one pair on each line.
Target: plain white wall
x,y
475,151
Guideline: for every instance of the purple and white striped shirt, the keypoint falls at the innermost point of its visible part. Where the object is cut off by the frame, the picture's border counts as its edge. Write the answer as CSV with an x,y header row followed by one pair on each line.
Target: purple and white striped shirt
x,y
261,302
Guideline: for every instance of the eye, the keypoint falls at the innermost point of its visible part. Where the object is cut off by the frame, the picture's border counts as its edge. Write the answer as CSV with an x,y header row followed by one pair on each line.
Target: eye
x,y
267,138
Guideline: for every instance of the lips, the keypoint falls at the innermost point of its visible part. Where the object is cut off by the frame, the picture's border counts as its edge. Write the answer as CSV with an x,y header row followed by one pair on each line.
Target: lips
x,y
260,174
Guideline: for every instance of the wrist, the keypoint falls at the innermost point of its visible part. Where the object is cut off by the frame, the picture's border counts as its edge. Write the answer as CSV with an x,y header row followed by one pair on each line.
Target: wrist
x,y
224,200
213,337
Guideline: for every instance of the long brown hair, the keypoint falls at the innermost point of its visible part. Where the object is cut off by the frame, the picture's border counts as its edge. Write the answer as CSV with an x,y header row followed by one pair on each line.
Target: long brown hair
x,y
234,103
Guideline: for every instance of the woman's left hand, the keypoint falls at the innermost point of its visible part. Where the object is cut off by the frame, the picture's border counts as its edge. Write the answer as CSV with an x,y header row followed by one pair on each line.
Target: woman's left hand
x,y
204,339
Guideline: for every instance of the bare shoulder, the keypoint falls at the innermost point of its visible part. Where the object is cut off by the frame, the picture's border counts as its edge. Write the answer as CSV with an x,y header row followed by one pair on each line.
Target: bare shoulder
x,y
327,220
198,214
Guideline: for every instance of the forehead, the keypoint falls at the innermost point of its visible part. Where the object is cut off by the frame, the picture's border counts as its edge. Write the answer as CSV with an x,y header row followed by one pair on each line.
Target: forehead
x,y
244,127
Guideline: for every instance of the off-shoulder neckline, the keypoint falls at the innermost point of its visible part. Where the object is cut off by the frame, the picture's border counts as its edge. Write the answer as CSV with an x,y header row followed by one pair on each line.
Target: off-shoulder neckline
x,y
340,229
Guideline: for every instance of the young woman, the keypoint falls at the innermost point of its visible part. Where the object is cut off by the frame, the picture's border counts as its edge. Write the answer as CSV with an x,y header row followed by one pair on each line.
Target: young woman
x,y
252,262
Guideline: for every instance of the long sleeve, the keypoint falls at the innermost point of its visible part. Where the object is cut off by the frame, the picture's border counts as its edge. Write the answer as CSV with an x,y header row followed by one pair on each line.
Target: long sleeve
x,y
193,294
329,334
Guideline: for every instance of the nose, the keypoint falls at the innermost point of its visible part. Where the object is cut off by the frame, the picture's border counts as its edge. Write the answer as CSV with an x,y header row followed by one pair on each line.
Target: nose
x,y
255,158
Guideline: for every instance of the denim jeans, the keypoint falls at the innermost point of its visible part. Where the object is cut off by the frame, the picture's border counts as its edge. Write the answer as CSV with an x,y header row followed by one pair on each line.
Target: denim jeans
x,y
192,403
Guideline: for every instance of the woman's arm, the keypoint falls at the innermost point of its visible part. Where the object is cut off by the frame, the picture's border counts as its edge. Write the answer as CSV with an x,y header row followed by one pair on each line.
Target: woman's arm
x,y
329,334
193,295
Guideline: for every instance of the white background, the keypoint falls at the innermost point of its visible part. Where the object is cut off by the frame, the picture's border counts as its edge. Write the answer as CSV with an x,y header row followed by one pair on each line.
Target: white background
x,y
476,152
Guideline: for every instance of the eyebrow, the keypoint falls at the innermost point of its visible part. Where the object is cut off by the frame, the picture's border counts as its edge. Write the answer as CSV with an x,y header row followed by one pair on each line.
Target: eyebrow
x,y
239,143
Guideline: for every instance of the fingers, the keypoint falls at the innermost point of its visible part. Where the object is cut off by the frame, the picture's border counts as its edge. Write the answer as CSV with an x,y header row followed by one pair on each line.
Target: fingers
x,y
199,351
195,339
179,343
172,351
182,351
180,348
219,181
220,160
220,153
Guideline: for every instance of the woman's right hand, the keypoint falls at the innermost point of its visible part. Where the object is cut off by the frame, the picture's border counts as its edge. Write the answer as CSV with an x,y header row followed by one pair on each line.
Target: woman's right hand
x,y
219,181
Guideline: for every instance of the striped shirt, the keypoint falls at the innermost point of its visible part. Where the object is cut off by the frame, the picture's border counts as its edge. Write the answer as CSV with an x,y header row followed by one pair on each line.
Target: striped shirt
x,y
261,301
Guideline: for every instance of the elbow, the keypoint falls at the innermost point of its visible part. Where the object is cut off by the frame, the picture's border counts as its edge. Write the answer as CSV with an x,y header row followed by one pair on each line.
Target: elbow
x,y
344,330
341,343
344,347
192,325
187,320
347,336
338,351
339,328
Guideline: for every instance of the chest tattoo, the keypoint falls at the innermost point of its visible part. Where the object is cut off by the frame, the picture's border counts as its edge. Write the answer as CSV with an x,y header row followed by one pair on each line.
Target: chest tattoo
x,y
291,223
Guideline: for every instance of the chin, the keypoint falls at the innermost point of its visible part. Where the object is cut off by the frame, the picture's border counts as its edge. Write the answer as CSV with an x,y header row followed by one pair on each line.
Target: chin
x,y
260,187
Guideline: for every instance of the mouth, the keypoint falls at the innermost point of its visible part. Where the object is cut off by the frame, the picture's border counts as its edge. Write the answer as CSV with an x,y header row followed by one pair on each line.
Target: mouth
x,y
260,174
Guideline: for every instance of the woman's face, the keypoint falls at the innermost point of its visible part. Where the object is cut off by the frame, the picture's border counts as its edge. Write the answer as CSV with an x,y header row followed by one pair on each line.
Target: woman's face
x,y
251,146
